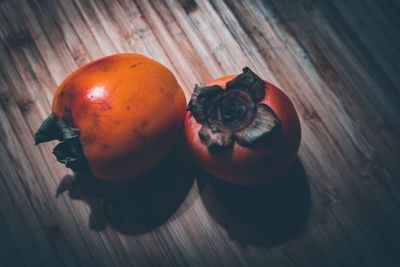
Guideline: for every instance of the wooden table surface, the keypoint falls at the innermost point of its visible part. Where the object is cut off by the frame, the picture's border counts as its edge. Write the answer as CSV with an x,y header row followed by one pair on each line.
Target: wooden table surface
x,y
338,205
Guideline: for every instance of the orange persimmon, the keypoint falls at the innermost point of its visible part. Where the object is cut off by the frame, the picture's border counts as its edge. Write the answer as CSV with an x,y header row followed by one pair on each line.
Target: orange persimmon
x,y
116,116
242,129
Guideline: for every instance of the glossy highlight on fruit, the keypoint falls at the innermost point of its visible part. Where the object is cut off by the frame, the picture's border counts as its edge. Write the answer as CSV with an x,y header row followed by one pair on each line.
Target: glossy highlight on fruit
x,y
116,117
242,129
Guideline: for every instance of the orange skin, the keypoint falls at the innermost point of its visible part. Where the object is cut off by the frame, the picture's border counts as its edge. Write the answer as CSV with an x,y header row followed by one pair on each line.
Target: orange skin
x,y
128,108
244,166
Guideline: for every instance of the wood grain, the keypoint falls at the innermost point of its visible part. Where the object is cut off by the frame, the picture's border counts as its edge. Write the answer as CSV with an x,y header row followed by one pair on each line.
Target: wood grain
x,y
338,205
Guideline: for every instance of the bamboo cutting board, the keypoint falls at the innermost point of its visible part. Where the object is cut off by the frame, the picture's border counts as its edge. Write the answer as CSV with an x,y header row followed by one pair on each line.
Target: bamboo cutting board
x,y
338,205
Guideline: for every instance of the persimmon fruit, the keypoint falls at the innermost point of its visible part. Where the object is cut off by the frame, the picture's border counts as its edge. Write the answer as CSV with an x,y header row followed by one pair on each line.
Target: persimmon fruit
x,y
242,129
116,117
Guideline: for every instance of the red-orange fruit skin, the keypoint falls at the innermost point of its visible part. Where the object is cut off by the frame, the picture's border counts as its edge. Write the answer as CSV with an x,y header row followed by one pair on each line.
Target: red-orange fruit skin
x,y
128,108
257,165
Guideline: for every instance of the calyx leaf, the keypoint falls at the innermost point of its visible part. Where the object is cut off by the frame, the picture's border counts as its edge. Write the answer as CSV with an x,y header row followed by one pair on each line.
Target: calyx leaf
x,y
233,114
69,151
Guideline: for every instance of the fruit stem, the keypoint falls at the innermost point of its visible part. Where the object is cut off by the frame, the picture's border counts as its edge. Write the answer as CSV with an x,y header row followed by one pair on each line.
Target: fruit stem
x,y
235,114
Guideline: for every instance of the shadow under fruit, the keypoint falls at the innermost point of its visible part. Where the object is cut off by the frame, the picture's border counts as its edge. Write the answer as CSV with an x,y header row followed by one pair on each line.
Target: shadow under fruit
x,y
135,206
265,215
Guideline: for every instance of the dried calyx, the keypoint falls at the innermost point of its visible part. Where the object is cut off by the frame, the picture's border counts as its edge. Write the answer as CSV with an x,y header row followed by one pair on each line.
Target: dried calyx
x,y
69,151
234,114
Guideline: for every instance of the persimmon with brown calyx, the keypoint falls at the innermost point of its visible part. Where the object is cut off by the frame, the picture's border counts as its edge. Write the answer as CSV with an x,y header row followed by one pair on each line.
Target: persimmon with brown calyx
x,y
116,117
242,129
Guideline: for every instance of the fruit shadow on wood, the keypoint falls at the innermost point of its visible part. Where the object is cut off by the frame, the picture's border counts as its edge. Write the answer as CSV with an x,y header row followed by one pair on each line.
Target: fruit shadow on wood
x,y
266,215
136,206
